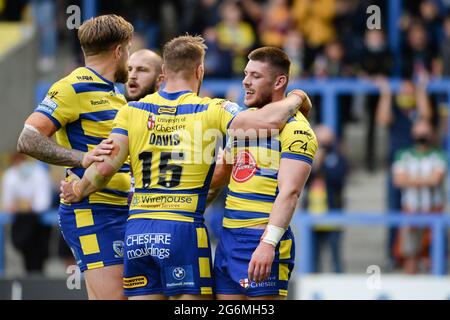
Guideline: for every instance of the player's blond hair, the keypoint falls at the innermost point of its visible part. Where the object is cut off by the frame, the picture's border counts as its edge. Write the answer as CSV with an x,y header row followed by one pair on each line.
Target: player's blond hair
x,y
102,33
183,54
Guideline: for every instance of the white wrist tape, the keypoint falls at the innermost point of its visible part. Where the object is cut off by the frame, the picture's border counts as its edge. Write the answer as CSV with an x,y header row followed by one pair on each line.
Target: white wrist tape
x,y
273,234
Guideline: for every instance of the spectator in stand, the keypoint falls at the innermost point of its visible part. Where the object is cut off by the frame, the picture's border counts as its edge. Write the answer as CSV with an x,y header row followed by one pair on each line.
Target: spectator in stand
x,y
275,23
330,64
218,61
294,47
26,193
376,62
418,57
432,22
419,173
314,19
234,34
398,113
326,193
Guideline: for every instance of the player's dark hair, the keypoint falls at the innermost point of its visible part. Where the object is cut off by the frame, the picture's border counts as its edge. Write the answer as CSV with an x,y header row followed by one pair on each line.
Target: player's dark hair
x,y
275,57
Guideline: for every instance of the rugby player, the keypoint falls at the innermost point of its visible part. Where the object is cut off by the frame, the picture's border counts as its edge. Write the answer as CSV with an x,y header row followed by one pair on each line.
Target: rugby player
x,y
167,250
255,253
144,74
79,109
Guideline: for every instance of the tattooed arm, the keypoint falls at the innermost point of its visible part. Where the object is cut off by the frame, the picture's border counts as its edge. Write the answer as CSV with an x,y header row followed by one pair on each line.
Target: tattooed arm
x,y
274,115
35,141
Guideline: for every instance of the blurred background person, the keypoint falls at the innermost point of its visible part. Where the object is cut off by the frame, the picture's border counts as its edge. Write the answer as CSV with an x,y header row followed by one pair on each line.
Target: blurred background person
x,y
419,173
26,193
376,62
398,113
235,35
325,193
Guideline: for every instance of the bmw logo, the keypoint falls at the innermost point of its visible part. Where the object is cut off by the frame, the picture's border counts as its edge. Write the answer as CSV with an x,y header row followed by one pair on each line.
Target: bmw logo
x,y
179,273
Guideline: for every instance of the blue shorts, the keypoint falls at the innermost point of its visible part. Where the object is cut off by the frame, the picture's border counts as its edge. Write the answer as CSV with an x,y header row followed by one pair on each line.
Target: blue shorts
x,y
167,257
233,255
94,232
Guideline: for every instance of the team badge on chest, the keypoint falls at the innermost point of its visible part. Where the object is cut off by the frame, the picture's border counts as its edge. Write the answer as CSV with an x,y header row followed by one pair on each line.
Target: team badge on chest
x,y
151,121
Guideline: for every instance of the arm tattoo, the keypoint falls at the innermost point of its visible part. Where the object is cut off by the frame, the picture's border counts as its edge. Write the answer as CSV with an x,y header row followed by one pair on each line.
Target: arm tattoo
x,y
45,149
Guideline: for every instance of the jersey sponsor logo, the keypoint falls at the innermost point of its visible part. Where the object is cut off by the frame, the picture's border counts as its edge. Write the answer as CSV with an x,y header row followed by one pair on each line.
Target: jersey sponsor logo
x,y
52,94
179,273
305,133
247,284
148,238
244,166
231,107
164,202
47,105
298,146
165,139
135,282
149,244
244,283
118,248
99,102
165,110
85,78
151,121
179,276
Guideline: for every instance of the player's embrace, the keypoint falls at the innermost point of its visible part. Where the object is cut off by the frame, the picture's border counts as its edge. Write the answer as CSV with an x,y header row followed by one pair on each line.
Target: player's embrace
x,y
80,109
168,136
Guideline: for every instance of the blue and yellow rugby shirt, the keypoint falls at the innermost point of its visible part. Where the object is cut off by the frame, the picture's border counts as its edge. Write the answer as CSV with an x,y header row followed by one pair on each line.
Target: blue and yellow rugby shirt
x,y
253,184
83,106
172,144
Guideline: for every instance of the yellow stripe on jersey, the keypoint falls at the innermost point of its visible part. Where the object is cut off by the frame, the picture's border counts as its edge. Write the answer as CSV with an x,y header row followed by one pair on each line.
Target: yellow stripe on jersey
x,y
282,292
161,216
253,185
89,244
285,249
206,290
243,223
202,238
83,106
95,265
283,272
172,137
83,218
203,265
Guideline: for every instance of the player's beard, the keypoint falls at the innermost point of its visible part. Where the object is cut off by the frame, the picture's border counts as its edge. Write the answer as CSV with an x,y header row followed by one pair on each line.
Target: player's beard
x,y
142,93
264,99
121,73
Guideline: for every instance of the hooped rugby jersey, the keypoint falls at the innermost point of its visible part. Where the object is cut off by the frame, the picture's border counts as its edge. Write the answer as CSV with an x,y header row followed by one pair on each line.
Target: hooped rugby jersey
x,y
173,140
253,184
83,106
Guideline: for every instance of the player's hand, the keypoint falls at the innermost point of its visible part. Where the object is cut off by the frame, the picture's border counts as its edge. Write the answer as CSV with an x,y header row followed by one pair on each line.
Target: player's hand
x,y
260,265
305,105
68,189
104,148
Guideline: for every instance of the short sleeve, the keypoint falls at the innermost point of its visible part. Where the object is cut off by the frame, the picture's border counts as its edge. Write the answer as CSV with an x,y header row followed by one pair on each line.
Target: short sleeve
x,y
298,141
60,104
120,124
221,112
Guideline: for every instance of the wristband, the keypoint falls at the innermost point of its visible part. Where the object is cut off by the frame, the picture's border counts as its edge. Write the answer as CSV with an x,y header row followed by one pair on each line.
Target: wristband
x,y
273,234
